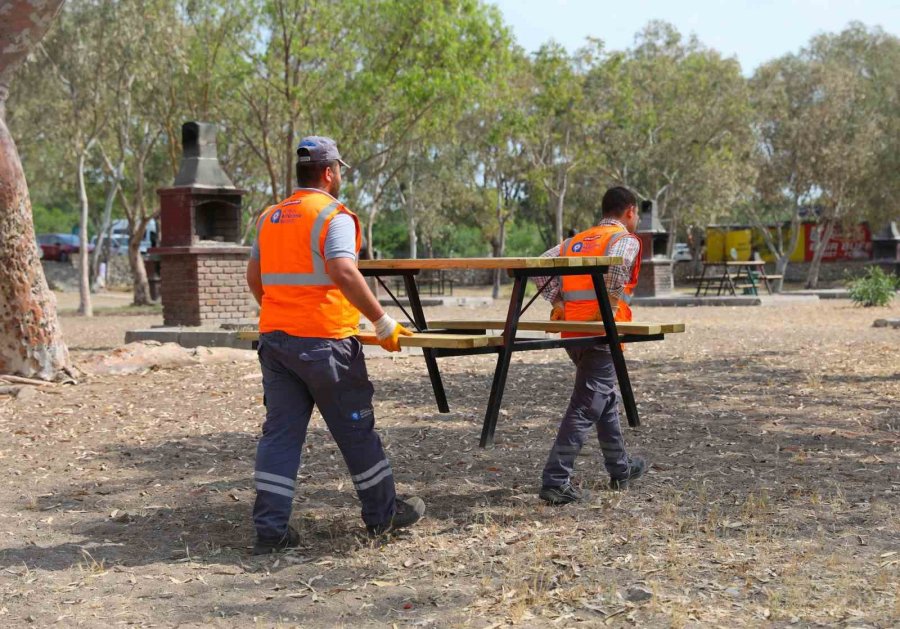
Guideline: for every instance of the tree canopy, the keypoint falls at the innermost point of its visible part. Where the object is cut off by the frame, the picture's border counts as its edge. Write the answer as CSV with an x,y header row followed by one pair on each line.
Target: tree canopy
x,y
457,137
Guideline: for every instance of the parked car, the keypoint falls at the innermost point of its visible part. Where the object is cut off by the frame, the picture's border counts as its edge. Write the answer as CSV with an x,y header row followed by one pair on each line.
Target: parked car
x,y
682,252
117,245
59,247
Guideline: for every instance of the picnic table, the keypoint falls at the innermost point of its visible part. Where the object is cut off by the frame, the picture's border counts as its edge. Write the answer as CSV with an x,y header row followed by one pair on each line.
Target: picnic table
x,y
731,275
440,339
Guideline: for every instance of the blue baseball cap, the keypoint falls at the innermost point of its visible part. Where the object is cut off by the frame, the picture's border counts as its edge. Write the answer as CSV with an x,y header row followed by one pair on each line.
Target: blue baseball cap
x,y
318,148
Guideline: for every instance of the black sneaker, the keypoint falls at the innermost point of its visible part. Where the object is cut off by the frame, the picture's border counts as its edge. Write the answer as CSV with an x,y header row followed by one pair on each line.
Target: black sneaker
x,y
636,468
265,546
561,495
409,511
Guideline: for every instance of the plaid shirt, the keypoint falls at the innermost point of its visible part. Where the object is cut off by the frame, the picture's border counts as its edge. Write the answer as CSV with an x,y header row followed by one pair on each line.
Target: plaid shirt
x,y
616,277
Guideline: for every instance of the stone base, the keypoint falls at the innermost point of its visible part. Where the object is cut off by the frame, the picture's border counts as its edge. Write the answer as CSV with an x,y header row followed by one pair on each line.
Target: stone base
x,y
205,286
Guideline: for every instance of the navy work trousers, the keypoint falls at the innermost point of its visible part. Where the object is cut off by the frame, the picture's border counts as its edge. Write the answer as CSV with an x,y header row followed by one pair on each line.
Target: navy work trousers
x,y
594,404
297,373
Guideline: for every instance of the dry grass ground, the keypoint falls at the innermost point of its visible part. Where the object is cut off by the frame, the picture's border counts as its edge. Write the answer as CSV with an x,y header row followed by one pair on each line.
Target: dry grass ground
x,y
774,497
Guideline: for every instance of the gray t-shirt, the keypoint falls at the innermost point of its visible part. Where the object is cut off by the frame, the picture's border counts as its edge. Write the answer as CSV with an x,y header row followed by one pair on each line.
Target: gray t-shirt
x,y
340,241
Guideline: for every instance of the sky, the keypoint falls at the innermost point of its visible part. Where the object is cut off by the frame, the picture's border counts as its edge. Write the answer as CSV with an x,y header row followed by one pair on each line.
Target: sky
x,y
753,31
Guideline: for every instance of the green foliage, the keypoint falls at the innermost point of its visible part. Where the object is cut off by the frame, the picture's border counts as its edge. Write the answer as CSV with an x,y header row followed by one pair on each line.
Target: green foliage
x,y
875,288
390,236
524,239
49,220
465,241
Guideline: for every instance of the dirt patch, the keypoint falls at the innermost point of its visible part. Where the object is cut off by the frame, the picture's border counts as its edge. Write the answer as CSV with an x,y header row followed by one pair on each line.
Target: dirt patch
x,y
773,497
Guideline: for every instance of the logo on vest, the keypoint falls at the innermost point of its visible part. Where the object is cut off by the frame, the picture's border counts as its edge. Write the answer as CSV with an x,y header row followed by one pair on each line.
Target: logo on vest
x,y
577,247
276,216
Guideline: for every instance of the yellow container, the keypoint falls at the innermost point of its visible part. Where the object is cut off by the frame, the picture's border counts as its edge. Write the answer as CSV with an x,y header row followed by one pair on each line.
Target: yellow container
x,y
797,255
738,244
715,244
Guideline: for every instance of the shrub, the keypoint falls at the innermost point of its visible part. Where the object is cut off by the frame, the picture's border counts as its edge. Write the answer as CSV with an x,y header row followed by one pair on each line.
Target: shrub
x,y
875,288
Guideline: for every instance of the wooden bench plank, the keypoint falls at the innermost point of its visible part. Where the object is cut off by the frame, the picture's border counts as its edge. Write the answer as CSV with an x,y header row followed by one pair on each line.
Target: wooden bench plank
x,y
632,327
430,340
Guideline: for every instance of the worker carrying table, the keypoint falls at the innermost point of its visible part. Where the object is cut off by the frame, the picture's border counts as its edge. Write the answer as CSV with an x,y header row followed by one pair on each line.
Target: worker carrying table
x,y
594,402
303,273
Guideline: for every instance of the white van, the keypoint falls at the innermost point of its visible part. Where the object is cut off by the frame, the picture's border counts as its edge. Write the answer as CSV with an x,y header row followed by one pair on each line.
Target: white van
x,y
119,233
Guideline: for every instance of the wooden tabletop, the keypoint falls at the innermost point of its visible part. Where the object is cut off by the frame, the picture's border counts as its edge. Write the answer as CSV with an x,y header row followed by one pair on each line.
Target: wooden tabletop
x,y
490,263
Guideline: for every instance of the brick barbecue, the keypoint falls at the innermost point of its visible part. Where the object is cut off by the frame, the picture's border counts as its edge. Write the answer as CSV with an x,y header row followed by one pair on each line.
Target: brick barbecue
x,y
656,266
886,248
202,263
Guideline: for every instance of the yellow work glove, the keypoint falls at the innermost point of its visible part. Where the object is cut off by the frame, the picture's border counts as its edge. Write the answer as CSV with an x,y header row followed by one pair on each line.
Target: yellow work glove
x,y
558,313
388,333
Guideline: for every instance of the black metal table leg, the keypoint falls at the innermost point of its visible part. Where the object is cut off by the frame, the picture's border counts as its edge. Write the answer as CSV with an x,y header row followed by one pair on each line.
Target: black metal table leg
x,y
415,304
615,349
503,359
700,282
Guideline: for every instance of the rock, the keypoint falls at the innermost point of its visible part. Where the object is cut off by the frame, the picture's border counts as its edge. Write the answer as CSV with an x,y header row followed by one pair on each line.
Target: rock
x,y
25,394
638,594
886,323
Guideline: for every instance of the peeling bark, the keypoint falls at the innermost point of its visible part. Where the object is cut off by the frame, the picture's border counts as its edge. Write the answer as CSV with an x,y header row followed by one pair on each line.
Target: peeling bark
x,y
31,343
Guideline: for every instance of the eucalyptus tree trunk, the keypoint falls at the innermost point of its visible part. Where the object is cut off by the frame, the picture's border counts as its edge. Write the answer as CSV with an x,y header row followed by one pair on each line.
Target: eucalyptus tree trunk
x,y
31,342
826,230
105,225
558,210
85,307
140,283
498,244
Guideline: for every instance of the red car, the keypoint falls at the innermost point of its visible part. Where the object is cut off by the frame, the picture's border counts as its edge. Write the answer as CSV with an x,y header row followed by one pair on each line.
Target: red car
x,y
59,247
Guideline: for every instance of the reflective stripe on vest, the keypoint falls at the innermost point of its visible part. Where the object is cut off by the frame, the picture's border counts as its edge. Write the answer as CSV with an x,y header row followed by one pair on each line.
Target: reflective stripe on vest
x,y
589,295
318,277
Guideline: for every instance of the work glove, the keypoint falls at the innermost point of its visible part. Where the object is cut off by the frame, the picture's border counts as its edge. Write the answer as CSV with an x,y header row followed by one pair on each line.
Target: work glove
x,y
388,333
558,313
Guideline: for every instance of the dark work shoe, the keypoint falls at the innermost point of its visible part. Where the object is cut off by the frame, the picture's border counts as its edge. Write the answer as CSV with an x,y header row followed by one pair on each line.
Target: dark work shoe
x,y
266,546
636,468
561,495
409,511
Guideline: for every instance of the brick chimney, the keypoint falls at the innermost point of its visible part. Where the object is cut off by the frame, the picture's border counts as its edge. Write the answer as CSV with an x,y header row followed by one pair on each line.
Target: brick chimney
x,y
202,263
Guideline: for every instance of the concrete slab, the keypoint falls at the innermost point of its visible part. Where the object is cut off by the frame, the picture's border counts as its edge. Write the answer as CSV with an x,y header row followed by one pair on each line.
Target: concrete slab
x,y
822,293
677,301
783,299
189,337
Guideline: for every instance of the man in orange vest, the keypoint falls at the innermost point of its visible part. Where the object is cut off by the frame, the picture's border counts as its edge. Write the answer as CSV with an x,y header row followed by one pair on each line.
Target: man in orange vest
x,y
303,273
594,401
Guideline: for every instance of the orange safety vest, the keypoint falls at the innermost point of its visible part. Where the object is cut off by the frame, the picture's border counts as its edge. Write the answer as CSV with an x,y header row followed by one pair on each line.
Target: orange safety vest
x,y
578,295
299,297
